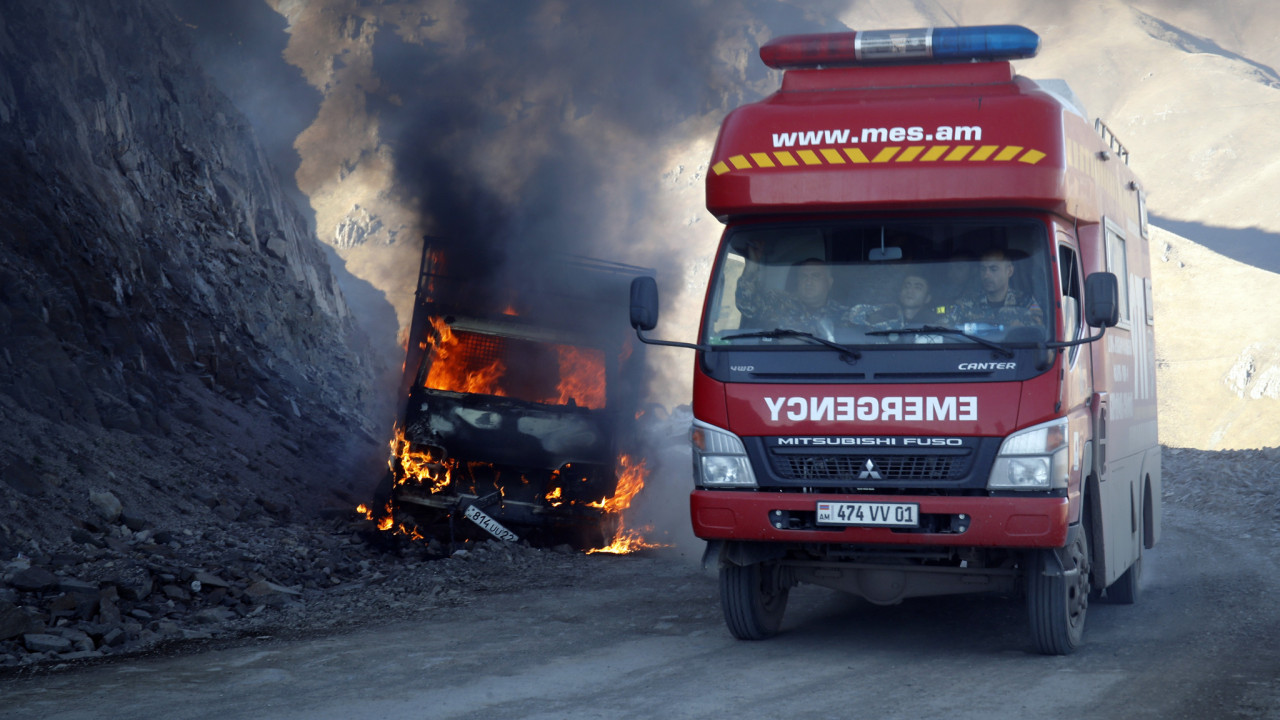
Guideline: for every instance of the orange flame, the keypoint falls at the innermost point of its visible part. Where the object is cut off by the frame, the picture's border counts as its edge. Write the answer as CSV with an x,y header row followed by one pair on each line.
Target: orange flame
x,y
473,363
453,371
628,540
555,497
631,477
581,377
421,466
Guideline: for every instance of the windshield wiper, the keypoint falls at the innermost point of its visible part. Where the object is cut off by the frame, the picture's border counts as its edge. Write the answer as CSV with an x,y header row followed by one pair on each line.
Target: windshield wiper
x,y
938,329
787,332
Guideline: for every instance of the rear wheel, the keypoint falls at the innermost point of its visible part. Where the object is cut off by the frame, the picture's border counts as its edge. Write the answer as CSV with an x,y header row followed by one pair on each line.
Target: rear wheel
x,y
1058,597
753,599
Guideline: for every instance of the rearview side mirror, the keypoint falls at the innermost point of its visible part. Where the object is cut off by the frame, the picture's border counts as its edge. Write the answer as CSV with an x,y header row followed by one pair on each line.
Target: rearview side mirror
x,y
1102,300
644,303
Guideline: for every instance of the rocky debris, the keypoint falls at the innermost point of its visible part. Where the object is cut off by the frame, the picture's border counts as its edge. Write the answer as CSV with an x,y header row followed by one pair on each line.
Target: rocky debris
x,y
1238,485
115,593
356,228
107,591
168,323
1256,372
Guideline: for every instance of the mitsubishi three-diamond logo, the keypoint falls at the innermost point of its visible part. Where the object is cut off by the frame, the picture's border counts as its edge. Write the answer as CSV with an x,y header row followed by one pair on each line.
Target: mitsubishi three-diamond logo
x,y
869,471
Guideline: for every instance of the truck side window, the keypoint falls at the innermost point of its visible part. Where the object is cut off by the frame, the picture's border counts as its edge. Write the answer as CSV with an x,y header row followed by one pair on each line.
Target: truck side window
x,y
1117,263
1071,295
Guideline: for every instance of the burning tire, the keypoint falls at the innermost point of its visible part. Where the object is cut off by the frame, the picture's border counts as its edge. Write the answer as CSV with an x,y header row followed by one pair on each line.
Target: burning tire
x,y
753,599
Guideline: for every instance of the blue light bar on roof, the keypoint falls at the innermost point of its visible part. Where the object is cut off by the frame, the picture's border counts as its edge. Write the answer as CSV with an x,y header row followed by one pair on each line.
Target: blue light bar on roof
x,y
880,47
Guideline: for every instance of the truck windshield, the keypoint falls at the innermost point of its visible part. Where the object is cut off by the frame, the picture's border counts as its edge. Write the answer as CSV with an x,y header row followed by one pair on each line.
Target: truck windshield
x,y
856,282
533,370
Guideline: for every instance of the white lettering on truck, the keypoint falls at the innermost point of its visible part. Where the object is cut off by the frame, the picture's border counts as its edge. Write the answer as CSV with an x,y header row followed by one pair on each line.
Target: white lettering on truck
x,y
846,136
871,409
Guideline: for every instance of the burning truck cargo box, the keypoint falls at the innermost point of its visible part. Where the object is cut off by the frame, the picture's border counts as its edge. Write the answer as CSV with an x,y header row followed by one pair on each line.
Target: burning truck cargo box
x,y
518,406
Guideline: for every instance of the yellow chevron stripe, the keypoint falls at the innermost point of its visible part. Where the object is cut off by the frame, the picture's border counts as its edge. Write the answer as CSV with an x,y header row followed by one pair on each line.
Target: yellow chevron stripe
x,y
983,152
910,153
1009,153
832,155
885,154
934,153
855,155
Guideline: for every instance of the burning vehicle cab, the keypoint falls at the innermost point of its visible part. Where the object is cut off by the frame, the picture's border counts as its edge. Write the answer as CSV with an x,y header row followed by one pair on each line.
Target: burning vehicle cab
x,y
516,413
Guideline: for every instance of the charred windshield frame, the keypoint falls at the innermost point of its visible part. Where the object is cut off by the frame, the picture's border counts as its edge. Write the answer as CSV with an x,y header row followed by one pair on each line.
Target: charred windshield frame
x,y
824,278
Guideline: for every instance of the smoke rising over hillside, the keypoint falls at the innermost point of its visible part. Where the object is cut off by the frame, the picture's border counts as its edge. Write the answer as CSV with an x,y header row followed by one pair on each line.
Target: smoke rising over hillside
x,y
538,135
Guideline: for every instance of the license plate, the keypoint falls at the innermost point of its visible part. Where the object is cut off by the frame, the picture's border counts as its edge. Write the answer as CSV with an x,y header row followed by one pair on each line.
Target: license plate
x,y
495,528
869,513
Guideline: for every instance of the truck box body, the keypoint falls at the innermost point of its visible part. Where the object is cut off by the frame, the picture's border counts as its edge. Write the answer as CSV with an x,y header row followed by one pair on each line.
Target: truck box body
x,y
938,420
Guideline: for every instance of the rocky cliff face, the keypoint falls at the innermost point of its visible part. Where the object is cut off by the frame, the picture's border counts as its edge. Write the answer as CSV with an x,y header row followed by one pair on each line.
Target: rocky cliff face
x,y
164,312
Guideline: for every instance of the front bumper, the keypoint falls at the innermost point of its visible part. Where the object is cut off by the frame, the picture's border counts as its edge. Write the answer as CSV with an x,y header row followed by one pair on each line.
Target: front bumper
x,y
1008,522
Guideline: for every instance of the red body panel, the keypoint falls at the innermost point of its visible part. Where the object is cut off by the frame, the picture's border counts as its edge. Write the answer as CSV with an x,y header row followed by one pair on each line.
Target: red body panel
x,y
886,138
989,409
995,522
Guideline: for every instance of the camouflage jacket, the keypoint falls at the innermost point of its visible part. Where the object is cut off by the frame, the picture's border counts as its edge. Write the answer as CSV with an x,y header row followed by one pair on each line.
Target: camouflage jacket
x,y
1015,311
890,317
767,309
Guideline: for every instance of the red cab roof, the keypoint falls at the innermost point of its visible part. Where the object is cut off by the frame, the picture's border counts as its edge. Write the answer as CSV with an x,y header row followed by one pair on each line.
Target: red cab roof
x,y
854,139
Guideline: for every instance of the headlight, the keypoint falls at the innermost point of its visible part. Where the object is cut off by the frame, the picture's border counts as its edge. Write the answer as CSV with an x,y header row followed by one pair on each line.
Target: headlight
x,y
719,458
1032,459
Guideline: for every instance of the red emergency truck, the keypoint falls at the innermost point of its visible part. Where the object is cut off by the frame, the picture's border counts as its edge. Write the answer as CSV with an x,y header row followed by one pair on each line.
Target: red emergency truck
x,y
925,363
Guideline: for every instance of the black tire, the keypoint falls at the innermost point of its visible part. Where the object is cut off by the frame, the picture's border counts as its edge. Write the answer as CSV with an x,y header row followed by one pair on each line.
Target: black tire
x,y
1057,604
753,600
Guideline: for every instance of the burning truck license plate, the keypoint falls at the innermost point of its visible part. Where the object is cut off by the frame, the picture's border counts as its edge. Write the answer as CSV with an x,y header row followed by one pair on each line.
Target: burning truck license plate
x,y
869,513
495,528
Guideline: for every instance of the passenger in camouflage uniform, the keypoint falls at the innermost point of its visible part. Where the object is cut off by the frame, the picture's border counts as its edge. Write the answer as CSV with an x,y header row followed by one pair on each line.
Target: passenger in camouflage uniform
x,y
997,304
808,308
914,308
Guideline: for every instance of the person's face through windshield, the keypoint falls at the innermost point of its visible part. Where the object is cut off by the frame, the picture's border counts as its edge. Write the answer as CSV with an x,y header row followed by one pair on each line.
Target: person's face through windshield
x,y
914,293
813,283
994,272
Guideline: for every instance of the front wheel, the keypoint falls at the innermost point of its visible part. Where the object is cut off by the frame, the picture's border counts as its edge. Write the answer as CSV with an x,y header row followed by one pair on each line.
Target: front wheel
x,y
1058,596
753,599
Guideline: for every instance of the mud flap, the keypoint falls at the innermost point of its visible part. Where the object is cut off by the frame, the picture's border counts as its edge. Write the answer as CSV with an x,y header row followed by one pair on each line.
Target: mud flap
x,y
1056,565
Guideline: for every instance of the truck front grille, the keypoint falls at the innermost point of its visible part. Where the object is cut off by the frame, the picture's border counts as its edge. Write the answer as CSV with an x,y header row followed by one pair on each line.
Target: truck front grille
x,y
882,467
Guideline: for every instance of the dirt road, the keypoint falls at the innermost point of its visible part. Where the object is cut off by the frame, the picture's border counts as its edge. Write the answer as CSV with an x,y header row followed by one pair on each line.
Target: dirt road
x,y
641,637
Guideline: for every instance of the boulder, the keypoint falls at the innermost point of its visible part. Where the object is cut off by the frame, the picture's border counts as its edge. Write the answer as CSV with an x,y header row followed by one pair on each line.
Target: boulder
x,y
44,642
15,621
34,579
107,504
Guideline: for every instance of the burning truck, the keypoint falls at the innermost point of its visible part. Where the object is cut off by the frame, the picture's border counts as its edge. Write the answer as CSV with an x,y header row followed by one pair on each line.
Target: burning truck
x,y
517,406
